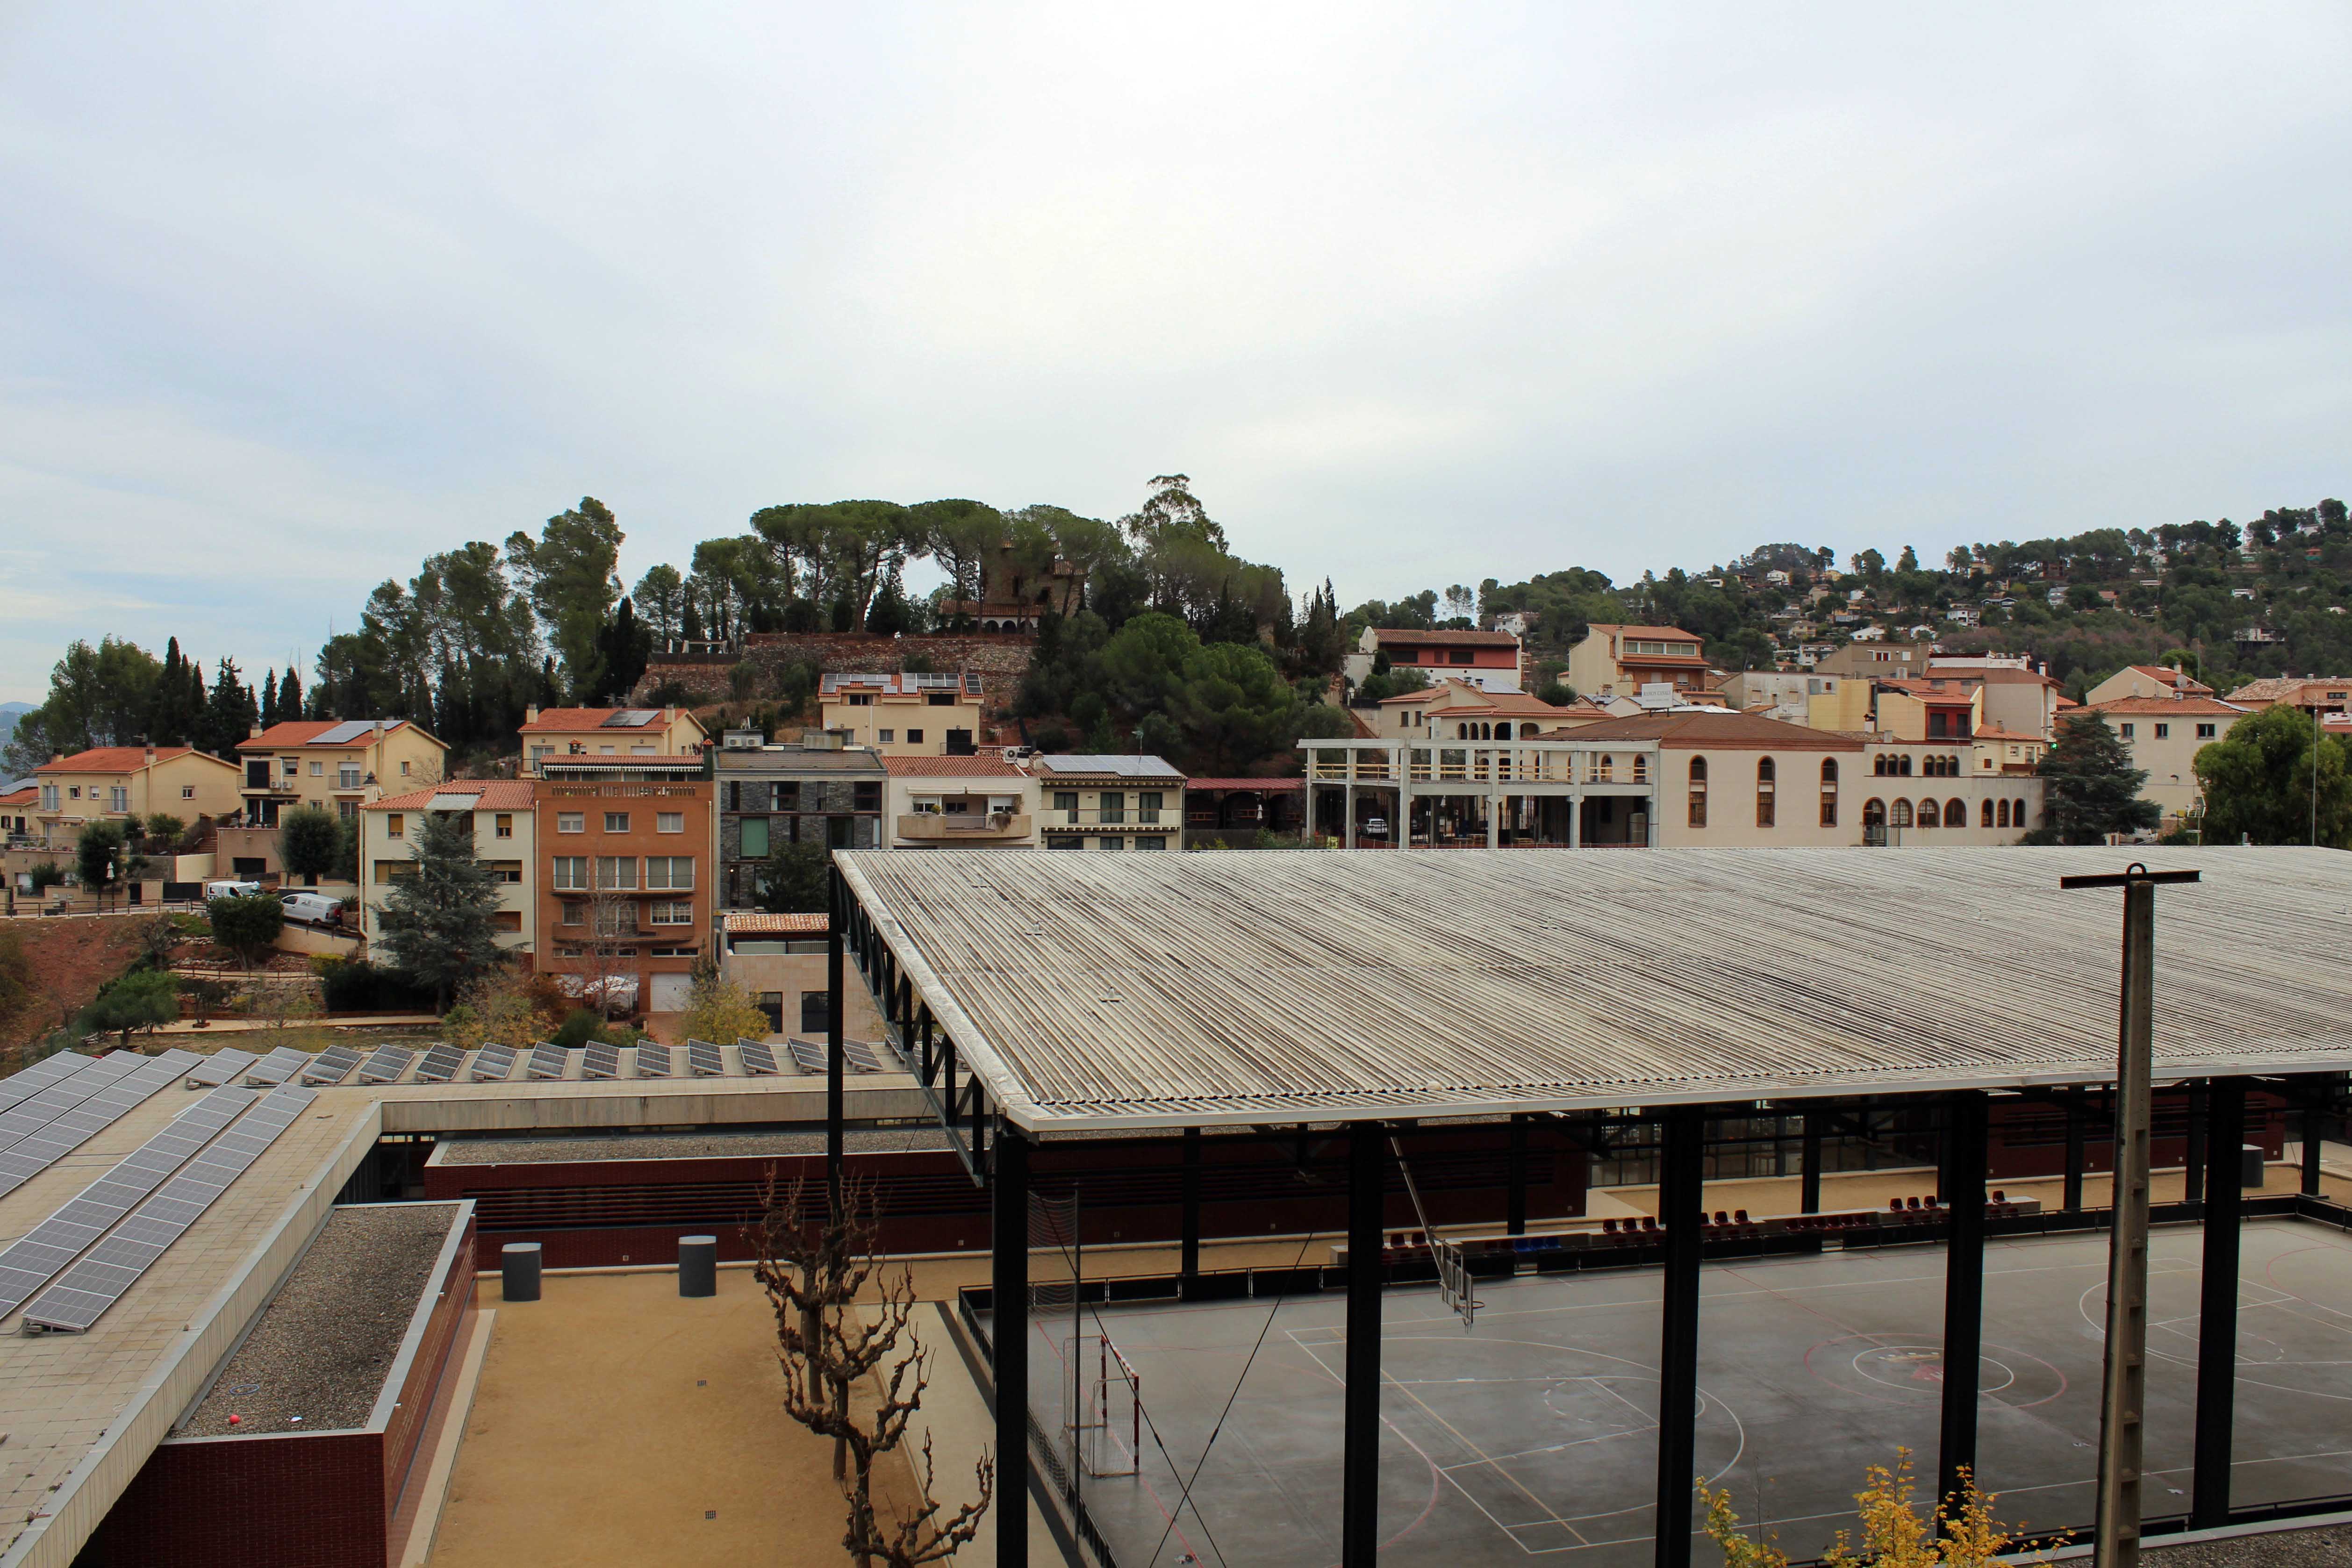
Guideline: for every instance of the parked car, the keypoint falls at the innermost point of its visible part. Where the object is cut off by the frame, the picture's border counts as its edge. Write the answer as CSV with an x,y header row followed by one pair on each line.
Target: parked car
x,y
312,908
1373,828
228,887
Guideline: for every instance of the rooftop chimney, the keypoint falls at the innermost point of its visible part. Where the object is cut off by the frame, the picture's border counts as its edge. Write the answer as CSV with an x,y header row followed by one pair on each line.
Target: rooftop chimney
x,y
530,714
150,754
253,732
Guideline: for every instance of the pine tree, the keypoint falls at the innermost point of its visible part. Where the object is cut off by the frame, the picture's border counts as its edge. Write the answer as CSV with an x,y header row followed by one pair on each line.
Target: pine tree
x,y
168,715
270,715
232,712
290,696
2093,789
438,922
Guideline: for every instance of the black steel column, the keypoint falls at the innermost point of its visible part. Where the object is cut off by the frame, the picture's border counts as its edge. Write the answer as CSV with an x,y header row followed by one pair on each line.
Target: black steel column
x,y
2217,1314
2193,1163
835,1100
1682,1199
1359,1455
1190,1266
1514,1216
1964,1195
2314,1114
1008,1332
2075,1109
1808,1190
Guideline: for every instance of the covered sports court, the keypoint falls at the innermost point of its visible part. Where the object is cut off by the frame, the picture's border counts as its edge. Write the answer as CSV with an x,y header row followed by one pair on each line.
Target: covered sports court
x,y
1364,999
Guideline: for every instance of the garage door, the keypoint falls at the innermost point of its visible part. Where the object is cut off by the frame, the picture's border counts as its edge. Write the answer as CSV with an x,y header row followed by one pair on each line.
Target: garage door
x,y
669,993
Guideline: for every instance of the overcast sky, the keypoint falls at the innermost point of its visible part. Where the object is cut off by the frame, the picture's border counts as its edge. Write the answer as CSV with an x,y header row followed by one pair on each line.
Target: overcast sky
x,y
290,295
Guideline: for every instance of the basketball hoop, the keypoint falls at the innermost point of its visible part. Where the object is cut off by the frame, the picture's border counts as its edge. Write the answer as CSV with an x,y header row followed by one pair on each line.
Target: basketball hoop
x,y
1454,1286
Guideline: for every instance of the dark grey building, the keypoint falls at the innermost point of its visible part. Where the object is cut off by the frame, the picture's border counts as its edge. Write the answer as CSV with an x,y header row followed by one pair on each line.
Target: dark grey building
x,y
772,795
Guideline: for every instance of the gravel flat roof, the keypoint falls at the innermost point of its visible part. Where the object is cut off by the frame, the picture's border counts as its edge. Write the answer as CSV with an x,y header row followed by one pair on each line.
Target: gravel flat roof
x,y
2284,1549
324,1346
713,1143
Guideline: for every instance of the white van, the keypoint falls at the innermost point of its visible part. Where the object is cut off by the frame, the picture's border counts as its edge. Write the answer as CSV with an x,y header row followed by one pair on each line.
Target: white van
x,y
230,888
311,908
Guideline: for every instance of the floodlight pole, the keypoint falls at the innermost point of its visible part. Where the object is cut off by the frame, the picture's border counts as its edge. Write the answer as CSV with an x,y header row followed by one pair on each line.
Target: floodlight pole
x,y
2124,1394
1360,1451
2217,1317
1681,1198
1964,1199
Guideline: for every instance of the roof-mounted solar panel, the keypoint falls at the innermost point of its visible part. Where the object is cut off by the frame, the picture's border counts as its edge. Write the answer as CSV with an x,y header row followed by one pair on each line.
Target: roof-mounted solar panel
x,y
36,1113
43,1074
653,1060
630,718
34,1259
758,1059
276,1068
602,1060
440,1064
220,1068
99,1280
548,1060
330,1065
705,1060
32,1155
343,734
386,1064
493,1063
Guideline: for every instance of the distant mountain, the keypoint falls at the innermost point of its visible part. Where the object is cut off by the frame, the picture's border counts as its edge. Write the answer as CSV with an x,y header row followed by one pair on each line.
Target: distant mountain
x,y
9,714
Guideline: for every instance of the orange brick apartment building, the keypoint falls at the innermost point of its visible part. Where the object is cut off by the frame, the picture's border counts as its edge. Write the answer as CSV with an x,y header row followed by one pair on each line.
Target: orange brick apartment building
x,y
625,887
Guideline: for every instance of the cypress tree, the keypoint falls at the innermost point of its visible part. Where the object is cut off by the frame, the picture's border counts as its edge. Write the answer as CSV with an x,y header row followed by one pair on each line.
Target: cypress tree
x,y
269,698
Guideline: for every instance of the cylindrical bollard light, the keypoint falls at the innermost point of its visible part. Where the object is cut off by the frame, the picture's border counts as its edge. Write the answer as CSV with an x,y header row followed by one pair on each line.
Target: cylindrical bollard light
x,y
519,1271
698,1265
2252,1172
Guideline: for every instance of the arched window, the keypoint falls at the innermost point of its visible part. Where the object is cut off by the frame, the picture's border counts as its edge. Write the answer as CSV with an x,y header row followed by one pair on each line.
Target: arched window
x,y
1874,813
1461,732
1930,814
2017,814
1502,732
1608,768
1904,765
1878,765
1768,780
1829,792
1641,768
1955,813
1698,792
2004,815
1902,816
1984,815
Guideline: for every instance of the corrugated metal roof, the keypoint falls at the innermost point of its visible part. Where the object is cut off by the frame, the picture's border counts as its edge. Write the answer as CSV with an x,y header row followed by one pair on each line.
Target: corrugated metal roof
x,y
1120,990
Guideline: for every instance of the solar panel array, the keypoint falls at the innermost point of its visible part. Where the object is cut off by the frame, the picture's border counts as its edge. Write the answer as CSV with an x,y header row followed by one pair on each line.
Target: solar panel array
x,y
705,1060
602,1061
276,1067
653,1060
46,1073
22,1121
386,1063
758,1059
332,1064
219,1068
440,1064
493,1063
857,1056
343,734
630,718
97,1281
34,1259
548,1060
37,1151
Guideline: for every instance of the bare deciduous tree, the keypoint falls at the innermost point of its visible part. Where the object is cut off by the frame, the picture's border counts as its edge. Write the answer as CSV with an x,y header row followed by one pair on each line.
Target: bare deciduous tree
x,y
814,1263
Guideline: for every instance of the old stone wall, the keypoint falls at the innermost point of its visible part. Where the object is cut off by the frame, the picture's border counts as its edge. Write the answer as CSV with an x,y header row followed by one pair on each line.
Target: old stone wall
x,y
999,660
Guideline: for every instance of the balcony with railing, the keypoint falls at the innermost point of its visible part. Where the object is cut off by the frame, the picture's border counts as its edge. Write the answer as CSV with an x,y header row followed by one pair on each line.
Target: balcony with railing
x,y
964,827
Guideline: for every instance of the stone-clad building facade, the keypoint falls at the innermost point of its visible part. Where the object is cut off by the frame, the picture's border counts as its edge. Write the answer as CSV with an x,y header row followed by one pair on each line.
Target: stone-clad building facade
x,y
773,795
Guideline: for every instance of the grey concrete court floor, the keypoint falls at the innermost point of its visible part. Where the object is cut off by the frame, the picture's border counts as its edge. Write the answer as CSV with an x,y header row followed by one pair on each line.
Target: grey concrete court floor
x,y
1533,1433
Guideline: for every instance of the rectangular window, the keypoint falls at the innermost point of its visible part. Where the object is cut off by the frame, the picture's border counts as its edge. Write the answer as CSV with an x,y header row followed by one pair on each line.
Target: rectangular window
x,y
2204,732
572,873
755,838
574,913
347,776
1147,806
1067,803
187,791
914,738
1064,842
118,798
393,871
1828,810
292,765
1460,655
506,920
49,797
616,871
816,1012
1113,806
505,871
403,771
318,768
502,825
675,873
669,822
887,736
867,797
394,824
2127,732
678,913
347,810
1150,842
570,822
788,796
1765,809
617,821
1110,843
2163,732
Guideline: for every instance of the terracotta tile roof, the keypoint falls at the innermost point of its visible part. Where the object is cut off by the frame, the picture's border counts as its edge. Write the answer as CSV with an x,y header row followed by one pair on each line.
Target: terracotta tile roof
x,y
23,797
2163,705
951,768
1996,732
1456,639
1274,786
306,732
1654,634
743,921
1702,729
490,795
118,760
2165,674
2284,688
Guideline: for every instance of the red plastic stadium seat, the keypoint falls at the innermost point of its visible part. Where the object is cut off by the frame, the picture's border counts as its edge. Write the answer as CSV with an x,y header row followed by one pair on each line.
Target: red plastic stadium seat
x,y
1608,1227
1741,1216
